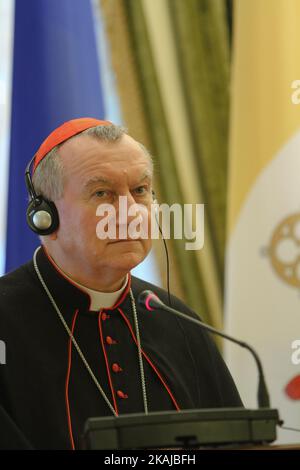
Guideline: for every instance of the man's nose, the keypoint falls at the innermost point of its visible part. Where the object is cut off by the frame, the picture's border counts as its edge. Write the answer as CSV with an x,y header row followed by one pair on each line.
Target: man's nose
x,y
127,209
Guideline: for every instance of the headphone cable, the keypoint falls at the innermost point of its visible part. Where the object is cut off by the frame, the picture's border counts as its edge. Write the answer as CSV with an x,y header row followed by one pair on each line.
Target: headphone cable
x,y
168,262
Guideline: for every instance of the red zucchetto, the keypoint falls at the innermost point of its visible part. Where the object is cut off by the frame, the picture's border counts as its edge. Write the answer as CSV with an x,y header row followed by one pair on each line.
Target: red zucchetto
x,y
65,131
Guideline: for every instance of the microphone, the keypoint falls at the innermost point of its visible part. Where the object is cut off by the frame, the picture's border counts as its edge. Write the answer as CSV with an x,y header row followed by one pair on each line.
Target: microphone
x,y
151,302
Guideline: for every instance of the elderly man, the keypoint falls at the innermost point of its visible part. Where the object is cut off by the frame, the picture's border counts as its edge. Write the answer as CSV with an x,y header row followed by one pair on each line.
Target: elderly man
x,y
77,343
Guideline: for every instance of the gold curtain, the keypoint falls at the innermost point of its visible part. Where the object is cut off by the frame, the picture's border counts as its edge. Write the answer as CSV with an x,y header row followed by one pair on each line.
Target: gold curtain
x,y
171,62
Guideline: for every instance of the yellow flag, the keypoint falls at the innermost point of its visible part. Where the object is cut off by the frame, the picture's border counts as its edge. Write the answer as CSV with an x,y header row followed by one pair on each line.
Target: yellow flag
x,y
263,251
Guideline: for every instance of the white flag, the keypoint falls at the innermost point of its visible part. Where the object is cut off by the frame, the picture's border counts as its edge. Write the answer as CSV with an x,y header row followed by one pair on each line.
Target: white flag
x,y
263,251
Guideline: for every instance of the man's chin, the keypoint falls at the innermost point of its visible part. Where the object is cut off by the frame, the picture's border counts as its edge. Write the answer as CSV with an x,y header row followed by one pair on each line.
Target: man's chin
x,y
126,261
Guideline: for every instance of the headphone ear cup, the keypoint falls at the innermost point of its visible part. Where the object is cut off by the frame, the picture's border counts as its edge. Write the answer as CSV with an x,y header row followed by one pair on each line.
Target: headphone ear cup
x,y
42,216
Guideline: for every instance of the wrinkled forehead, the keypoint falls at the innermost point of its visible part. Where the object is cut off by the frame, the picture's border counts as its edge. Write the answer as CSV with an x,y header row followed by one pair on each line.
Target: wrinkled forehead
x,y
86,157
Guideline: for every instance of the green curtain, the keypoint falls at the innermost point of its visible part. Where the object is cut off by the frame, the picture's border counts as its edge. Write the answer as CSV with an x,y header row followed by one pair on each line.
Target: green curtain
x,y
200,36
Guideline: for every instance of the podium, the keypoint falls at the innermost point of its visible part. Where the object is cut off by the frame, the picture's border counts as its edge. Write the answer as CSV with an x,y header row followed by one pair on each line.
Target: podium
x,y
185,429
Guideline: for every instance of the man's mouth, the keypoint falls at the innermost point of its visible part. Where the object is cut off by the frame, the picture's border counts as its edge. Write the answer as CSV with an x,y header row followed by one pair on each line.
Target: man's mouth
x,y
125,240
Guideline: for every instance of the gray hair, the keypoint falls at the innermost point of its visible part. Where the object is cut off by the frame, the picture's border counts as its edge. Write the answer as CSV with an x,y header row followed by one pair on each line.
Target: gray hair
x,y
48,178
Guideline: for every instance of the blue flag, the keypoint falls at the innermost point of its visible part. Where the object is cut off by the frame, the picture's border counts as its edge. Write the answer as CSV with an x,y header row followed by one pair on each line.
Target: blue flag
x,y
56,77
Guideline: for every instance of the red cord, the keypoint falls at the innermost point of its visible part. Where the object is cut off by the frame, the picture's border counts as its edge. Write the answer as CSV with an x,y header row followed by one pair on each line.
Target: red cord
x,y
68,380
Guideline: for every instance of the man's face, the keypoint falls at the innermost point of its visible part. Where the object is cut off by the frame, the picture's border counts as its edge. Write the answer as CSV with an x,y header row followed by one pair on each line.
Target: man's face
x,y
99,172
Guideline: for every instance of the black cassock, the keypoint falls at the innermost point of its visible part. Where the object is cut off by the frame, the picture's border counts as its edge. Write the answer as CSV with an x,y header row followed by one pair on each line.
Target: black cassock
x,y
45,388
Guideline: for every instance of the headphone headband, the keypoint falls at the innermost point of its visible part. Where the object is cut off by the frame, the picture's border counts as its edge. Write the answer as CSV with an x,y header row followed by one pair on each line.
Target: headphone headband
x,y
28,180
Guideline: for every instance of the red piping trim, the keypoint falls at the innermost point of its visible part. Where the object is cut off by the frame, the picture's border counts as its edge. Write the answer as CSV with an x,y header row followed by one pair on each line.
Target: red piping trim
x,y
61,273
150,362
107,365
68,380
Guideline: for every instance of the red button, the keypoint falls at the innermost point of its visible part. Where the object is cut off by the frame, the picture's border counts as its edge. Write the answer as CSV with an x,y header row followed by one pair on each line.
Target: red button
x,y
116,368
104,316
121,394
109,340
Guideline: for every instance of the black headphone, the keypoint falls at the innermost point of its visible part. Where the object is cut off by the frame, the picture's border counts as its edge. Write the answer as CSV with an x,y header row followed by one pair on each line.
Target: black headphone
x,y
41,215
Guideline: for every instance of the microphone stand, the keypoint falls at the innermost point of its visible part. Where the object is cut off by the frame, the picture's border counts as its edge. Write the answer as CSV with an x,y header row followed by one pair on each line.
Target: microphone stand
x,y
149,300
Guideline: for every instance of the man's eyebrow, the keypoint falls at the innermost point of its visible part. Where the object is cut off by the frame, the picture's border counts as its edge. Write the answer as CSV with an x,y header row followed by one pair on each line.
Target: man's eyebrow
x,y
100,180
96,180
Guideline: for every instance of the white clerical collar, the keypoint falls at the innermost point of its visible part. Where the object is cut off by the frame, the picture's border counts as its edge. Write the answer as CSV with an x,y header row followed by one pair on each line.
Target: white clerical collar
x,y
101,299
